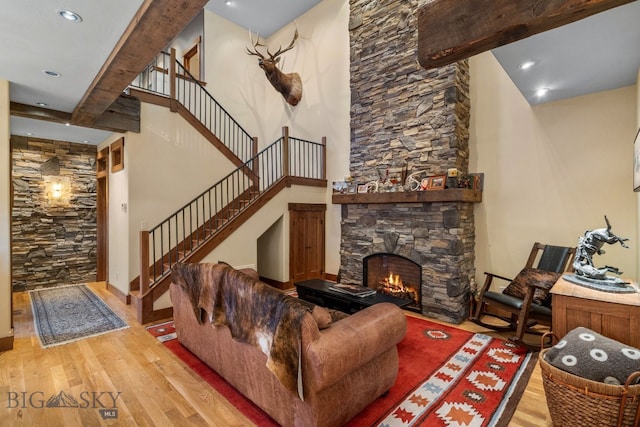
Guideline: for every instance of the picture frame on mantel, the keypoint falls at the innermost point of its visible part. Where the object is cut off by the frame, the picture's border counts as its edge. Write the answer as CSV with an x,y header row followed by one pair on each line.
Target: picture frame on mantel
x,y
636,162
437,182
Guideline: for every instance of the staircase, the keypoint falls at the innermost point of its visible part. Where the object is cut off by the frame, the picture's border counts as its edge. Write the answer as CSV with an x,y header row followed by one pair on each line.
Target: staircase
x,y
194,230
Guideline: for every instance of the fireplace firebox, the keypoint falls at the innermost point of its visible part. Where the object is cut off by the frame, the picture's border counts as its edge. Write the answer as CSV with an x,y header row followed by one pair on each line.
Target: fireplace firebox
x,y
394,275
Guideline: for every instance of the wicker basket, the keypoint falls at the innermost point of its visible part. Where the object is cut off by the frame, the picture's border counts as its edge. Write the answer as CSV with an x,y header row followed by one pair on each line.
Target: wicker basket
x,y
576,401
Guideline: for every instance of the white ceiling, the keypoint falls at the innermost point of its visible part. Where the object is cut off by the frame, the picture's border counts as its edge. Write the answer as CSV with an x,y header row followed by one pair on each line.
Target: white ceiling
x,y
599,53
260,16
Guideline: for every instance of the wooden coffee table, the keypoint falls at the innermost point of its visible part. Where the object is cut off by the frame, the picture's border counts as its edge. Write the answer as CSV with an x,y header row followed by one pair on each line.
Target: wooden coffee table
x,y
319,292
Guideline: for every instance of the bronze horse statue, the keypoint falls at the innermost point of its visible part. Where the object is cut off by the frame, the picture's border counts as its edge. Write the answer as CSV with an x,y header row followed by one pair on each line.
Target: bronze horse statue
x,y
591,244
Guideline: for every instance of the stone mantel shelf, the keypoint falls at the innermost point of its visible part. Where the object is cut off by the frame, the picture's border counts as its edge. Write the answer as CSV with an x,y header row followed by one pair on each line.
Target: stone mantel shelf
x,y
448,195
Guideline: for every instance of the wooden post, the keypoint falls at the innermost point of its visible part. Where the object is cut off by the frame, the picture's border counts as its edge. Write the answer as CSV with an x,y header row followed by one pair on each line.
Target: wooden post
x,y
256,163
144,262
172,79
324,158
285,151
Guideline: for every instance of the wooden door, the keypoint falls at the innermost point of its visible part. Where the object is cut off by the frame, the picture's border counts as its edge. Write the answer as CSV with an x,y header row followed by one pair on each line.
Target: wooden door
x,y
102,206
306,241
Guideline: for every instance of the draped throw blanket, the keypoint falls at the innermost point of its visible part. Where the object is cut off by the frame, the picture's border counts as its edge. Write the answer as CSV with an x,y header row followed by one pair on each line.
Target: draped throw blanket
x,y
255,313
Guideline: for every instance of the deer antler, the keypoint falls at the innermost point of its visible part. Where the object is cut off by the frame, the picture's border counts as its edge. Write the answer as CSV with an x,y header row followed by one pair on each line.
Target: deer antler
x,y
255,45
281,51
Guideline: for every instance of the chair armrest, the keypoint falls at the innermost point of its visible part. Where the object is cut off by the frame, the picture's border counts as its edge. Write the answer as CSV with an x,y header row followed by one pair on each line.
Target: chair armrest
x,y
488,280
497,277
352,342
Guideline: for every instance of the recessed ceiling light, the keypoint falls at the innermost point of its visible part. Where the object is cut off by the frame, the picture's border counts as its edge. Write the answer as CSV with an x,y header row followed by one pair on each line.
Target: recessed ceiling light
x,y
542,91
52,73
29,134
67,124
69,15
41,104
228,2
526,65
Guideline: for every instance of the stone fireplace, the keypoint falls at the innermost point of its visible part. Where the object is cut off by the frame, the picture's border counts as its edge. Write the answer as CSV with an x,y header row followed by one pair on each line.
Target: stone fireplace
x,y
407,120
439,237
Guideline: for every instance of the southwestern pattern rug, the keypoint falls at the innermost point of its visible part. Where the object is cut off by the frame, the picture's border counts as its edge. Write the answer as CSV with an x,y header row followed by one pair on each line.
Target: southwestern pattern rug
x,y
447,377
70,313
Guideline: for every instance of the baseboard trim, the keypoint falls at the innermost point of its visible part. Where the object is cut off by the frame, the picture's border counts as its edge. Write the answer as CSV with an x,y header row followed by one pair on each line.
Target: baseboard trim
x,y
275,283
6,343
160,314
119,294
331,277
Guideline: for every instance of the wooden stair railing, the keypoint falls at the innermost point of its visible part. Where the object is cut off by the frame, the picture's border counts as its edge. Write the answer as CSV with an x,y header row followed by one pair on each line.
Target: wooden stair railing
x,y
167,83
286,162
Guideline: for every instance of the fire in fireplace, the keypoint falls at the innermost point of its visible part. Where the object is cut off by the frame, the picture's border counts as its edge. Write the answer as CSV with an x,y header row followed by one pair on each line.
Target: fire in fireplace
x,y
394,275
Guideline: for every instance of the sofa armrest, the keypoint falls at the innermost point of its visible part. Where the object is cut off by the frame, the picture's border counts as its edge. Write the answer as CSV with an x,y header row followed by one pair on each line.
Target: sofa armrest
x,y
352,342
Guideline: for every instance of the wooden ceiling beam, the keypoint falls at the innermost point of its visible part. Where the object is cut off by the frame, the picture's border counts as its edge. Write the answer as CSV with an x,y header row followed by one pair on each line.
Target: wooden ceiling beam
x,y
122,116
451,30
156,23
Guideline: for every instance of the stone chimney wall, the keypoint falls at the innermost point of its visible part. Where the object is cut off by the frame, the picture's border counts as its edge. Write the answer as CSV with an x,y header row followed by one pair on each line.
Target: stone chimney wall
x,y
405,116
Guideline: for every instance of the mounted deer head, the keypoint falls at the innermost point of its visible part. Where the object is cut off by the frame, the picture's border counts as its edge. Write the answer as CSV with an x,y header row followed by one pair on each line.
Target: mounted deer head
x,y
289,85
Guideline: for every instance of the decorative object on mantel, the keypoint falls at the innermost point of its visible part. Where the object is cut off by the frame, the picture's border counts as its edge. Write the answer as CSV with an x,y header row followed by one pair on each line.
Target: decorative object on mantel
x,y
340,186
452,178
415,183
586,274
473,181
437,182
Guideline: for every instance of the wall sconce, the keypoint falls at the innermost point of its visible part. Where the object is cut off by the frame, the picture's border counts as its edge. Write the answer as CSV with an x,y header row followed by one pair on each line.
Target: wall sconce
x,y
57,190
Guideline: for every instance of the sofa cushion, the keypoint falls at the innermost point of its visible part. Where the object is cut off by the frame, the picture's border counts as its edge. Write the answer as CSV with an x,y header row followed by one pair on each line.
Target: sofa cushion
x,y
321,316
250,272
589,355
518,286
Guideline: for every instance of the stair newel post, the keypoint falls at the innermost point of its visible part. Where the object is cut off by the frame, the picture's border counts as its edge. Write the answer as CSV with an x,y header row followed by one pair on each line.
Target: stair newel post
x,y
144,262
255,163
285,151
172,80
324,158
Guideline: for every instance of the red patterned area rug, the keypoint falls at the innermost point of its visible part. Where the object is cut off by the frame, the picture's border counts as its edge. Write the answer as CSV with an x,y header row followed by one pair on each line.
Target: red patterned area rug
x,y
447,377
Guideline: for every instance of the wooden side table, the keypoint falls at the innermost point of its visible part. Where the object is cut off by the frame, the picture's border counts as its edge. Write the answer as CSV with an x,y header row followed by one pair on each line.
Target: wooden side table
x,y
613,315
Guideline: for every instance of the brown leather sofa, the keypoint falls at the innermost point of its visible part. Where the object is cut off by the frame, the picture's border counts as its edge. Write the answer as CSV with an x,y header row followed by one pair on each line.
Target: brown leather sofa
x,y
344,367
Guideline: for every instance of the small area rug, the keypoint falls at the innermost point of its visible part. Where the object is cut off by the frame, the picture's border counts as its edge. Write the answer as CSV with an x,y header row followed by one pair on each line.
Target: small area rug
x,y
69,313
447,377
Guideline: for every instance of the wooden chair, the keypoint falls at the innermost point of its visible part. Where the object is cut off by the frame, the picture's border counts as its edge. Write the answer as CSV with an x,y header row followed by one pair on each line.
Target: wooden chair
x,y
520,309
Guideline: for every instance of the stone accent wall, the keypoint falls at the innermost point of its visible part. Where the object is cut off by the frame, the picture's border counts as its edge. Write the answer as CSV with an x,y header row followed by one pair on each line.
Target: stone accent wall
x,y
405,116
402,114
53,241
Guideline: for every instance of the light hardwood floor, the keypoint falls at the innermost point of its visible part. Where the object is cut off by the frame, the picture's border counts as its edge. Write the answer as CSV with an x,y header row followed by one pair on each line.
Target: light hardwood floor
x,y
156,388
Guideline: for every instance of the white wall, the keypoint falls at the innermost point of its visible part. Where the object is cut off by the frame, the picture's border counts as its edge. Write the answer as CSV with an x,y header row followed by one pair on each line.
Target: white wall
x,y
321,57
270,247
638,194
241,247
552,171
5,213
118,221
166,165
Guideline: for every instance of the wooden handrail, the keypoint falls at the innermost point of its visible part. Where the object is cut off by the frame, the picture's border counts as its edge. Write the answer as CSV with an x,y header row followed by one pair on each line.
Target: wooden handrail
x,y
144,262
285,151
172,74
324,157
